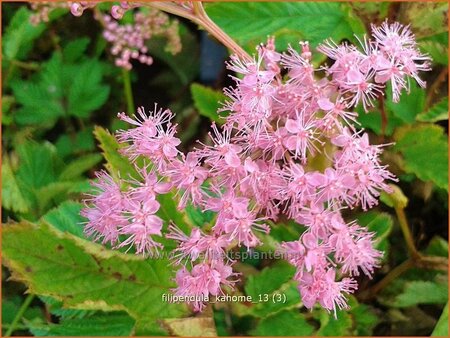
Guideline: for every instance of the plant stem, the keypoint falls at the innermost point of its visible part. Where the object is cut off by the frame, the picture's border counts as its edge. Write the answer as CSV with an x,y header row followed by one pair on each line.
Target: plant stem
x,y
384,120
401,216
199,16
434,87
127,91
19,314
393,274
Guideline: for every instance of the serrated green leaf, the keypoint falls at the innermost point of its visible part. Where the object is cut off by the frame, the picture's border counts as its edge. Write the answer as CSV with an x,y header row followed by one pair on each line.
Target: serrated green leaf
x,y
75,49
441,328
86,93
56,307
269,279
284,323
108,324
66,218
39,164
78,166
116,163
421,292
12,197
437,112
208,101
409,105
20,34
425,152
85,275
249,23
331,326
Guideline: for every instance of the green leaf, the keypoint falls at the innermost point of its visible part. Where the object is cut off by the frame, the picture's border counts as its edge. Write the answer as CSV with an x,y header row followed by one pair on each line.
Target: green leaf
x,y
437,112
66,218
409,105
249,23
437,51
78,166
208,101
269,279
52,194
86,93
441,328
364,319
437,247
425,152
39,164
75,49
421,292
87,276
56,307
40,104
61,89
284,323
197,216
19,35
331,326
108,324
426,18
12,197
378,222
372,120
288,294
116,163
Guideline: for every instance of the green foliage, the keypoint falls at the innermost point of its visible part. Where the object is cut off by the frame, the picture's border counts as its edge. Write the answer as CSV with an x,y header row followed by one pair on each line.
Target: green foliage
x,y
441,329
284,323
78,166
19,35
250,23
422,292
208,101
330,326
12,196
379,223
116,163
410,104
426,18
66,218
425,152
61,89
85,275
437,112
40,179
109,324
269,280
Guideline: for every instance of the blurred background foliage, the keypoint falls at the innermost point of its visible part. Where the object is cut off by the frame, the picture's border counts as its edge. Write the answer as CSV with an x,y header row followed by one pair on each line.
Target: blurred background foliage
x,y
61,93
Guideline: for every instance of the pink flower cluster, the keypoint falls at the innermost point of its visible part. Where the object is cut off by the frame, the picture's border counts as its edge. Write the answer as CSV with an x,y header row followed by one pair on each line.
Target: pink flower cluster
x,y
288,147
129,40
42,10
